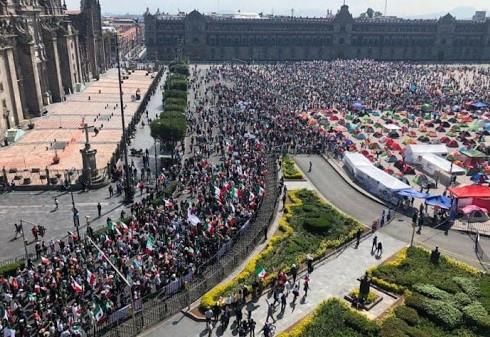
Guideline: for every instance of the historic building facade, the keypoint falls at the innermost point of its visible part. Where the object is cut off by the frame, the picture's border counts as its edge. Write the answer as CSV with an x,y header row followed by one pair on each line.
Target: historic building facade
x,y
217,38
41,57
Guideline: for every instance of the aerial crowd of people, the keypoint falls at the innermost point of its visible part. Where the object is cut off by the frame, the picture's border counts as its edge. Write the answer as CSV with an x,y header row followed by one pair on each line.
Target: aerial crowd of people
x,y
238,114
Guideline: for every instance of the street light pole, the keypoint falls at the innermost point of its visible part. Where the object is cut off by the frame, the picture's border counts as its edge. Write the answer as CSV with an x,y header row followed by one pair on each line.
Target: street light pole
x,y
128,191
156,166
24,240
76,216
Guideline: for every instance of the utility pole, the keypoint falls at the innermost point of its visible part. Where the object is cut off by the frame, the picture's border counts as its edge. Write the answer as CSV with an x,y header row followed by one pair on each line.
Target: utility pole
x,y
89,239
24,240
386,6
128,187
156,165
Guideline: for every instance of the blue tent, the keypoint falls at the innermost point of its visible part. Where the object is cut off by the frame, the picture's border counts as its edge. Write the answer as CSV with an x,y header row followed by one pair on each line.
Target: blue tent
x,y
478,105
477,177
358,106
439,200
411,193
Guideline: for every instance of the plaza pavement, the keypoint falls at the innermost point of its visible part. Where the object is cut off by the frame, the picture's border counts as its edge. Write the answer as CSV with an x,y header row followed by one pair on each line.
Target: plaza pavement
x,y
97,105
37,207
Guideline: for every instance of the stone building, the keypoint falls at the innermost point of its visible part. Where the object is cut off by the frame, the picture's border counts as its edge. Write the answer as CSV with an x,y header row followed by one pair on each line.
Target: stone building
x,y
39,59
272,38
42,56
88,22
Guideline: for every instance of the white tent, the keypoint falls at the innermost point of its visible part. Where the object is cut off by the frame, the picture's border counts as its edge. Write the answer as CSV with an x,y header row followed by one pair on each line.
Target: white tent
x,y
354,160
380,183
391,127
432,164
414,152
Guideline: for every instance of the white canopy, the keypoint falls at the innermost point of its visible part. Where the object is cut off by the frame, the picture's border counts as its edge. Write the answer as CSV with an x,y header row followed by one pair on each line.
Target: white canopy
x,y
354,160
414,151
441,164
383,178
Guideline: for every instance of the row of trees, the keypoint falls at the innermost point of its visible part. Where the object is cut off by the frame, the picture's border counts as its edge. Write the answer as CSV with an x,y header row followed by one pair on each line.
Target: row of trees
x,y
171,127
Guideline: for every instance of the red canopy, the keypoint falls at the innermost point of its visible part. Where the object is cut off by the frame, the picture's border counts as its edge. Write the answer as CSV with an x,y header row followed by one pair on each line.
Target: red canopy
x,y
471,191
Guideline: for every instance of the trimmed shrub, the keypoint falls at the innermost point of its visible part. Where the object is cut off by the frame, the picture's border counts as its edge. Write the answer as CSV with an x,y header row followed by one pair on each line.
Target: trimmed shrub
x,y
476,314
432,292
461,300
443,312
484,289
468,285
394,327
407,314
290,171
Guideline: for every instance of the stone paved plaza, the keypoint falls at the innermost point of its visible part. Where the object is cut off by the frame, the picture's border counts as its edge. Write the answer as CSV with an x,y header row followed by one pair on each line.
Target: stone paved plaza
x,y
98,106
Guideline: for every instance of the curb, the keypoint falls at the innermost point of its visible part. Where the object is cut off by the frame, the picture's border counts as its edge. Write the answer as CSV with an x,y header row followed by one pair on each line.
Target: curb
x,y
352,184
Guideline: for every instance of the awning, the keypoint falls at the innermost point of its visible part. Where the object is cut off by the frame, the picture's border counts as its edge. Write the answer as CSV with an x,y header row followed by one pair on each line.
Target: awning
x,y
440,201
411,193
471,191
471,208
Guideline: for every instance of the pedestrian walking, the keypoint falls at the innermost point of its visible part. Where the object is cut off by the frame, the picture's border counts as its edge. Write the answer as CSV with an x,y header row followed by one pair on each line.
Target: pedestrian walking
x,y
309,169
250,308
238,313
111,191
216,312
358,237
379,249
209,315
270,311
306,285
283,301
251,325
18,230
99,209
294,272
375,243
56,204
295,292
35,232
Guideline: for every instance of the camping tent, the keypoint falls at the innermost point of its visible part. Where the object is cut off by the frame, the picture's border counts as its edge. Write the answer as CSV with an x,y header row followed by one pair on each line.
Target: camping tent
x,y
414,152
472,213
433,164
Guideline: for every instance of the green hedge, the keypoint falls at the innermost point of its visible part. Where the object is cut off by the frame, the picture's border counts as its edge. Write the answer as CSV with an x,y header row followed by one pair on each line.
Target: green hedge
x,y
11,268
174,107
180,94
289,169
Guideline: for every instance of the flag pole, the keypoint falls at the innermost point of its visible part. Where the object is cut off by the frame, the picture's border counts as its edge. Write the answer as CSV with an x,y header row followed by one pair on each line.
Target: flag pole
x,y
118,272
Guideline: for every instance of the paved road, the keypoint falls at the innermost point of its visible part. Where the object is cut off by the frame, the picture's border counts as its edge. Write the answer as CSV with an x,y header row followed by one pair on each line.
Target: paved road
x,y
333,187
37,207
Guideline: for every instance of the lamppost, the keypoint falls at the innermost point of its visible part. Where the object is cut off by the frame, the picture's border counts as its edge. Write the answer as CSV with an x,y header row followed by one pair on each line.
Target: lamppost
x,y
128,190
24,240
89,239
156,166
76,216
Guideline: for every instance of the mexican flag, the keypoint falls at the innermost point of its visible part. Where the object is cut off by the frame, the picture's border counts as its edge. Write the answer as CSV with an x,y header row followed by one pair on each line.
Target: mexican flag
x,y
91,279
260,272
98,313
150,243
235,193
217,193
76,287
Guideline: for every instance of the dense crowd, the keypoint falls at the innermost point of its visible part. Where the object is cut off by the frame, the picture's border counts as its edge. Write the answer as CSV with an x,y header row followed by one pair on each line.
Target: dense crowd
x,y
238,114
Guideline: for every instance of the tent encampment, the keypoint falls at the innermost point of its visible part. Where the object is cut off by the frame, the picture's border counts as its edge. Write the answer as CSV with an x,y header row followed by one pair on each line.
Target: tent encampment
x,y
432,164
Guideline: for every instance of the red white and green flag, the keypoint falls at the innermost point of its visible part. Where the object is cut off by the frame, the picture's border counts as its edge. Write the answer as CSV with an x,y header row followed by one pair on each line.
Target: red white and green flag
x,y
76,287
260,272
91,279
98,313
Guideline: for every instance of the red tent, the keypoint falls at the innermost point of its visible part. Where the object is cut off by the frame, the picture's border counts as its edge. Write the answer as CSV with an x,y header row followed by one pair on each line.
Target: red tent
x,y
477,195
471,191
